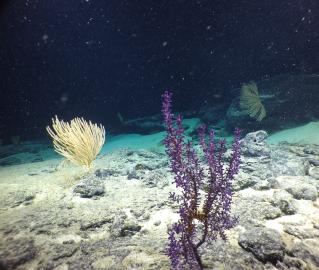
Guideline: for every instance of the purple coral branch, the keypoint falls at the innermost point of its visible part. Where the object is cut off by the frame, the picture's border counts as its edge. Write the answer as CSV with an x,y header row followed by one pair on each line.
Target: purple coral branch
x,y
185,236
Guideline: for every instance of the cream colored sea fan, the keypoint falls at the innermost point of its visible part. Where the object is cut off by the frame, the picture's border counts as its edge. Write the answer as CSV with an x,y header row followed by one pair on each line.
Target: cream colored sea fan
x,y
78,141
250,101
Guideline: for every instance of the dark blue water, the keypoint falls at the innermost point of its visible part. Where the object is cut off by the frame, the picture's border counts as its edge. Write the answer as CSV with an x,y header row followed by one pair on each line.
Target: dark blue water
x,y
100,58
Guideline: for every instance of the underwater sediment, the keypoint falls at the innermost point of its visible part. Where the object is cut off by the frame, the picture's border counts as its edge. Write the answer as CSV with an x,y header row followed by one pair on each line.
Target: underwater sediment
x,y
117,215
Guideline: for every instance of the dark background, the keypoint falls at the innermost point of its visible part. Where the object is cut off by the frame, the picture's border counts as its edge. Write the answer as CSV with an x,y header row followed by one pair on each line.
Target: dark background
x,y
96,58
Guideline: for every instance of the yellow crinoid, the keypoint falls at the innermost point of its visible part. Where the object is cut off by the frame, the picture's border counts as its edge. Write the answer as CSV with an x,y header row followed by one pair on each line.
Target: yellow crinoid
x,y
79,140
250,101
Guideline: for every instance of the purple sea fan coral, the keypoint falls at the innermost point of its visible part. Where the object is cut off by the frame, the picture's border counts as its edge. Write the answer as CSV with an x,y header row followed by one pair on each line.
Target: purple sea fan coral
x,y
201,219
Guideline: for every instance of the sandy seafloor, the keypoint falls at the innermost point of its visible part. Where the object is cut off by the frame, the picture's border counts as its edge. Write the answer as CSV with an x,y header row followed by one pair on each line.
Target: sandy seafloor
x,y
54,215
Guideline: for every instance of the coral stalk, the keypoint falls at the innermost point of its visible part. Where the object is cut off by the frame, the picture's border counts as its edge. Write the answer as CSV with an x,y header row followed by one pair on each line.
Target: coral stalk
x,y
186,236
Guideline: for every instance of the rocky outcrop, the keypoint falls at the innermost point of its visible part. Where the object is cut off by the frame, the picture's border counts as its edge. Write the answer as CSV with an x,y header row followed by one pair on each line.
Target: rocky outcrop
x,y
266,244
117,216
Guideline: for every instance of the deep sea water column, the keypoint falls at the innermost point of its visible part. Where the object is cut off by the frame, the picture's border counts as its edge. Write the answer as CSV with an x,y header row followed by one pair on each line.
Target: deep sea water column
x,y
201,219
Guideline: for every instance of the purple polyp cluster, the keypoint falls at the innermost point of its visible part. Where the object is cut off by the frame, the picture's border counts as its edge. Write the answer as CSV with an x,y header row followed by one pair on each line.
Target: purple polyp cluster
x,y
201,219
